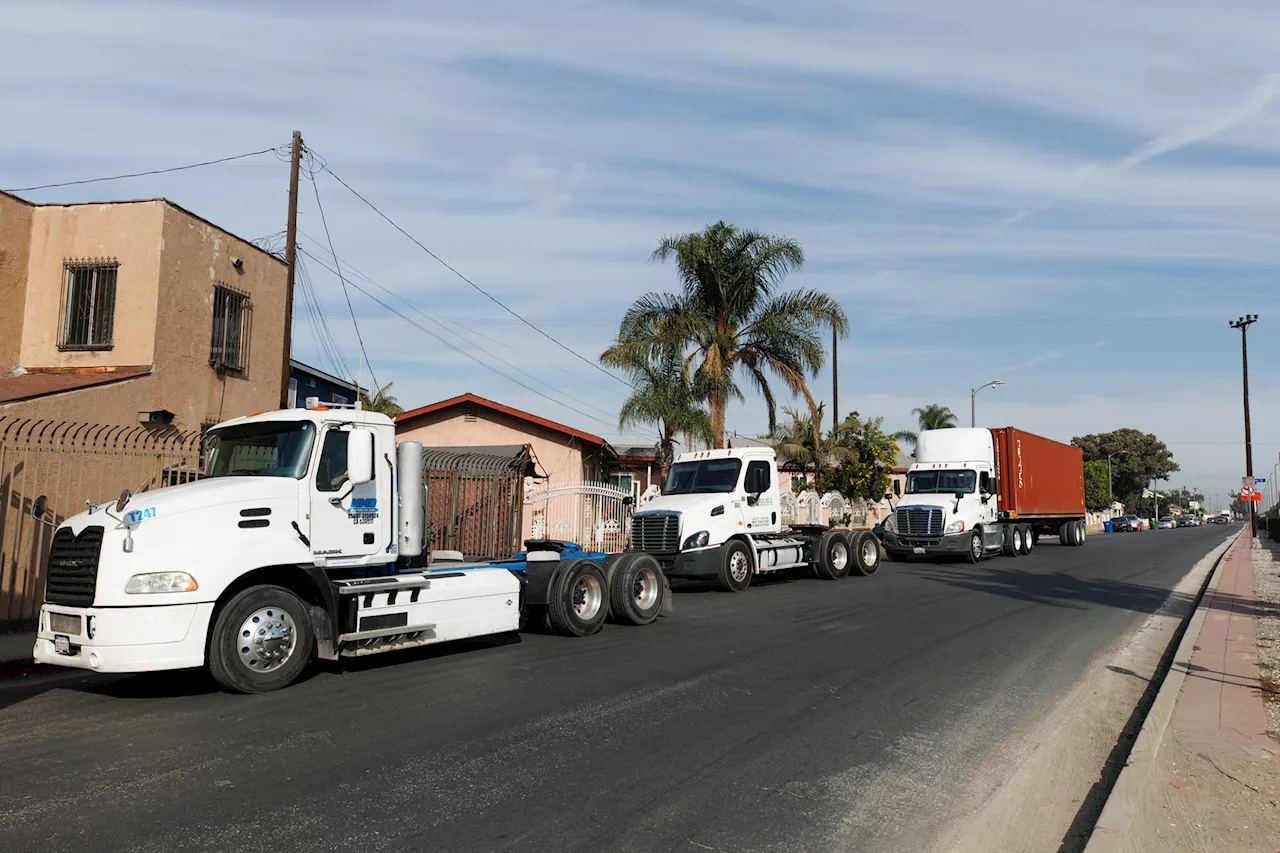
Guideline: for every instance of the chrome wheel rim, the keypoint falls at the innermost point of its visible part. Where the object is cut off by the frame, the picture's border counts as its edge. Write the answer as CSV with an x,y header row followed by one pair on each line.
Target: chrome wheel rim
x,y
1028,542
267,639
587,597
870,553
738,567
839,556
645,589
975,545
1017,540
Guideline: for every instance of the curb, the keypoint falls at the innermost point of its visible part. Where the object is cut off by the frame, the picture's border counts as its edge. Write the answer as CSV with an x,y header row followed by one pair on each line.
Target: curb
x,y
1117,815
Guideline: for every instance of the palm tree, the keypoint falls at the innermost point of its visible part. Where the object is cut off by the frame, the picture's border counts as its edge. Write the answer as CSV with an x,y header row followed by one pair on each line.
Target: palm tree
x,y
794,442
932,416
728,320
664,396
382,402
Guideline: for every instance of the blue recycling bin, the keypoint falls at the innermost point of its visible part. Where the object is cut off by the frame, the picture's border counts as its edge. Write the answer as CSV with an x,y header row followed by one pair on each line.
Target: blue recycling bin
x,y
1106,525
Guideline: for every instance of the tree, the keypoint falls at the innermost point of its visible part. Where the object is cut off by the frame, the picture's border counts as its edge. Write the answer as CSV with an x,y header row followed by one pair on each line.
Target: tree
x,y
1095,486
932,416
866,457
1145,458
382,402
728,320
794,442
664,397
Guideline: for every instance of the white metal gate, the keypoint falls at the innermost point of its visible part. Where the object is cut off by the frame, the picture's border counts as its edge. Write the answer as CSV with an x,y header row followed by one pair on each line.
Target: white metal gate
x,y
595,515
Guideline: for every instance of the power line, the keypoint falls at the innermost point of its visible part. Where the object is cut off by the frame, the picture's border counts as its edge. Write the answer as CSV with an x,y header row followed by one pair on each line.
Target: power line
x,y
142,174
458,321
477,287
375,386
445,327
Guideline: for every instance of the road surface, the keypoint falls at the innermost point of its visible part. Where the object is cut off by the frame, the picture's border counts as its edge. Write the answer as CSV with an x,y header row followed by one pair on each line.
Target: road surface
x,y
802,715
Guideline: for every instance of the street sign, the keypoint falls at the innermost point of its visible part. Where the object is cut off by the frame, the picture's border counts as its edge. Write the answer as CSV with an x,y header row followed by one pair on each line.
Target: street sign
x,y
1256,496
1258,481
1250,495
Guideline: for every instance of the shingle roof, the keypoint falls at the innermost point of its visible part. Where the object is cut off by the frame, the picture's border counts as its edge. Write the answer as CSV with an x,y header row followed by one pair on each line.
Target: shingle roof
x,y
498,407
30,385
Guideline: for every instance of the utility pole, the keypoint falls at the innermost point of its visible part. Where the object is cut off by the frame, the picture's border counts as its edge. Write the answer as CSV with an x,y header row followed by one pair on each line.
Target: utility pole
x,y
973,396
835,384
1243,325
290,255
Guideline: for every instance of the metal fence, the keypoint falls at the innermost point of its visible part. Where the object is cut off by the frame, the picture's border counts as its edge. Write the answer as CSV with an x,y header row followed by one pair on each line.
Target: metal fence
x,y
69,462
473,501
597,516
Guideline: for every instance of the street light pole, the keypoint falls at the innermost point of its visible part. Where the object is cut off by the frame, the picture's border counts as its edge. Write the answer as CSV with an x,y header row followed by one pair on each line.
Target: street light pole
x,y
1110,497
973,396
1243,325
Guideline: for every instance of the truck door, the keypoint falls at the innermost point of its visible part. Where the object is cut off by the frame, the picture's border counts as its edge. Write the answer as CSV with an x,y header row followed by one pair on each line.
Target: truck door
x,y
759,508
988,512
347,521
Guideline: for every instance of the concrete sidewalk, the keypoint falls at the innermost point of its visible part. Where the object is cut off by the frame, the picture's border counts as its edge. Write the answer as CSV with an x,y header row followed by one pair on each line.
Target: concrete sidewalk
x,y
1212,780
16,648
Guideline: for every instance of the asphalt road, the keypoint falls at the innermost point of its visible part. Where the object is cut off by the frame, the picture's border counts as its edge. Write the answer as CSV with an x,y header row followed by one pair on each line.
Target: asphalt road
x,y
803,715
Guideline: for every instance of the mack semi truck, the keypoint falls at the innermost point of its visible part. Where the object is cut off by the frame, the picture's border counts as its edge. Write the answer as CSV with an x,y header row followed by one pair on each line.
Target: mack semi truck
x,y
978,492
719,518
306,538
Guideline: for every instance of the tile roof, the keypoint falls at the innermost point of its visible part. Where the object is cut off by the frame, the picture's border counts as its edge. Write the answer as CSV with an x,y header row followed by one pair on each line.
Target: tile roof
x,y
31,385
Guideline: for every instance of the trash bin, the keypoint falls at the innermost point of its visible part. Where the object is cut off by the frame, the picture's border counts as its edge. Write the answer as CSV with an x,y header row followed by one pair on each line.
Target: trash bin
x,y
1106,525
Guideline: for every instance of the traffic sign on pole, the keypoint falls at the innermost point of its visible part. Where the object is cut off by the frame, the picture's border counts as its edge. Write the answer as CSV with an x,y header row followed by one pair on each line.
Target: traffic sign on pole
x,y
1247,482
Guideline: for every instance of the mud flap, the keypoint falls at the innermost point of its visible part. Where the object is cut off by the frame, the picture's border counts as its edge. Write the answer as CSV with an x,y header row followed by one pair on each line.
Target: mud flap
x,y
668,605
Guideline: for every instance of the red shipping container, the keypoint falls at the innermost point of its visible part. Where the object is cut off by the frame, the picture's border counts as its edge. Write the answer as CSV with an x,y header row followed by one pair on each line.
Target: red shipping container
x,y
1037,477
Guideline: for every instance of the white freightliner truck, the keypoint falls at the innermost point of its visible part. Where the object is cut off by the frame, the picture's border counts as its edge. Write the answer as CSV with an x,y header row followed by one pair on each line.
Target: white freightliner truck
x,y
719,518
306,538
977,492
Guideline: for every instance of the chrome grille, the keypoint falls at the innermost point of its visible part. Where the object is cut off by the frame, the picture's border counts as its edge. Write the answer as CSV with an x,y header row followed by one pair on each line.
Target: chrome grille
x,y
73,567
655,534
919,522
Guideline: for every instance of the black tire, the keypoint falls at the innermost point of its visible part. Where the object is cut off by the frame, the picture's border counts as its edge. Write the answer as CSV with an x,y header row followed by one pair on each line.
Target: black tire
x,y
866,553
248,659
1028,539
1035,537
1008,544
636,590
834,555
976,548
1080,534
1020,539
579,599
610,562
1064,533
735,566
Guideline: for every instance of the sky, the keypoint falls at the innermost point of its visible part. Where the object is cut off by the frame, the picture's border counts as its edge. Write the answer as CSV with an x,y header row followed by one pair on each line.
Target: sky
x,y
1072,198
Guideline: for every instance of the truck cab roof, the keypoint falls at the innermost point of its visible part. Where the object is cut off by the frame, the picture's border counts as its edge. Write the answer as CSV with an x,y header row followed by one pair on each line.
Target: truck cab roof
x,y
728,453
318,415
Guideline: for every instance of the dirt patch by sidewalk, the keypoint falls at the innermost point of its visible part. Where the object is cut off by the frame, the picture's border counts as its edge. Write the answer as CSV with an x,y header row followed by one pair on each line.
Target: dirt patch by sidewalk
x,y
1266,589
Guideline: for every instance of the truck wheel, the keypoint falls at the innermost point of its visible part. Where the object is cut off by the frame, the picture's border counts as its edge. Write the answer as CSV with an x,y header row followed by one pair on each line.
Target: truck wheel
x,y
1028,540
610,562
735,566
1079,533
866,553
835,557
1008,543
579,599
636,590
261,641
1064,533
1021,539
976,550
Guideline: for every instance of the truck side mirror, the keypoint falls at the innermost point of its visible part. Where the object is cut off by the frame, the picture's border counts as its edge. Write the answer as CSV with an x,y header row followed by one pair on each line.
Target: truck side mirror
x,y
359,456
39,508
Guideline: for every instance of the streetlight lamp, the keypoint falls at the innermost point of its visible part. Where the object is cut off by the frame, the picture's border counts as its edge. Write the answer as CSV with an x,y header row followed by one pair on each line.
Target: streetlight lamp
x,y
1110,497
973,395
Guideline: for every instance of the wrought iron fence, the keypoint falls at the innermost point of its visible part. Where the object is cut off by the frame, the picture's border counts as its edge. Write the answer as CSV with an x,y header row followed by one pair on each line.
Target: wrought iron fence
x,y
68,463
597,516
473,501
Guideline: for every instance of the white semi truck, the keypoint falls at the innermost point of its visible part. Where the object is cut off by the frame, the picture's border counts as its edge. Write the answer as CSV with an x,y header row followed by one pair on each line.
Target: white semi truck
x,y
719,518
306,538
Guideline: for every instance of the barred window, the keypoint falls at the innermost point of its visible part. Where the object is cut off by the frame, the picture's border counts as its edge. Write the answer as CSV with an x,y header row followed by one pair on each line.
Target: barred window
x,y
88,303
229,347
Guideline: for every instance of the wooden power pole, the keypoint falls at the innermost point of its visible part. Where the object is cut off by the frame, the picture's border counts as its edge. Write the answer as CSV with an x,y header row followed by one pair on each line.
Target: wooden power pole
x,y
290,255
1243,325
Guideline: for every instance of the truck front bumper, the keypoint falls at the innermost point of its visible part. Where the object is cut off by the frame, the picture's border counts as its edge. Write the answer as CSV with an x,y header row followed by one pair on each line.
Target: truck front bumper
x,y
124,639
955,543
695,564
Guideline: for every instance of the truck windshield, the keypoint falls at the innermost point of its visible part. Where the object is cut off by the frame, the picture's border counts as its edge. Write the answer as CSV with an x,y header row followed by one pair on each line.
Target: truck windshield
x,y
708,475
940,482
268,449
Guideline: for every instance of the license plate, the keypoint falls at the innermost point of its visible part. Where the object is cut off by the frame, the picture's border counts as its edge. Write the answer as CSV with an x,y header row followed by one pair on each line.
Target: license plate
x,y
65,623
62,644
917,550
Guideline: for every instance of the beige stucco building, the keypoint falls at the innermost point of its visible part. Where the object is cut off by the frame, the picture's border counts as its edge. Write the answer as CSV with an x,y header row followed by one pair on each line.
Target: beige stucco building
x,y
135,311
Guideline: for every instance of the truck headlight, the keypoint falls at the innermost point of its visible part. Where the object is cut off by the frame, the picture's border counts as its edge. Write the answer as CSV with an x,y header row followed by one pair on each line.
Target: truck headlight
x,y
157,582
891,523
955,527
697,540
